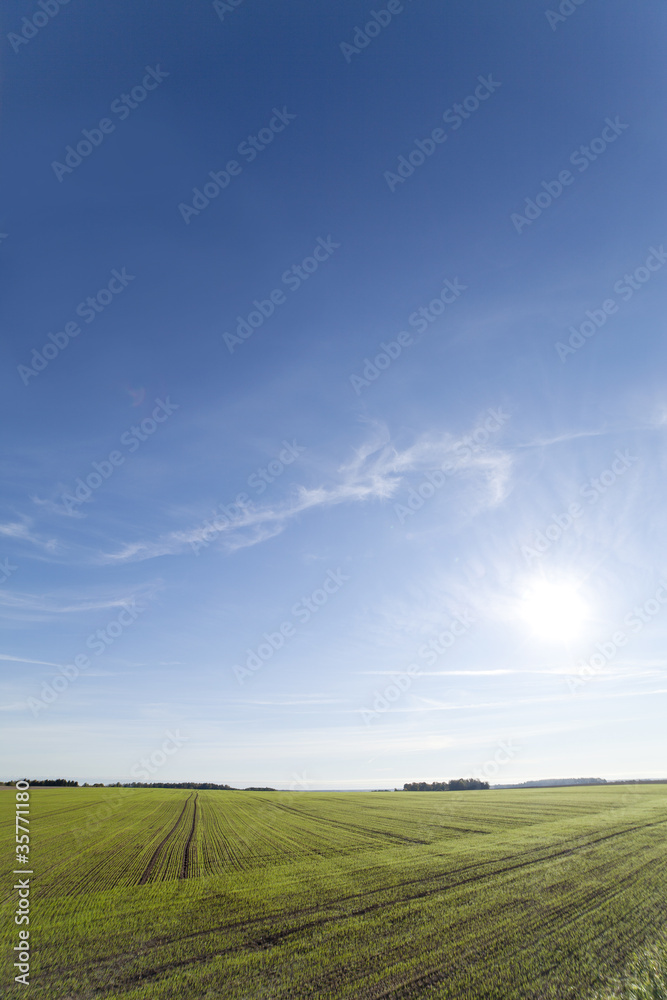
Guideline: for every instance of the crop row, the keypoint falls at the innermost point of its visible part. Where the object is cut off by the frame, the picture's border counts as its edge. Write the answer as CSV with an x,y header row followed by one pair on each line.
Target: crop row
x,y
114,841
530,916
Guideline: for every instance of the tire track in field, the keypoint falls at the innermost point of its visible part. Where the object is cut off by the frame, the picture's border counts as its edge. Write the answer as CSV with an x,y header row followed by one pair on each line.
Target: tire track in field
x,y
561,917
269,940
82,849
151,864
185,871
347,825
434,976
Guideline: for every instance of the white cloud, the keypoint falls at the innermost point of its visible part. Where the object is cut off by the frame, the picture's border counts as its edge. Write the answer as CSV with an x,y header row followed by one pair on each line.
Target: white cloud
x,y
20,531
57,508
375,472
21,659
19,606
561,438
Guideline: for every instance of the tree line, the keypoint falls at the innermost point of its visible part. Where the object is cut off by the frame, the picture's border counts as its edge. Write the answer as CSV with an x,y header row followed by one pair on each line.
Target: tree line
x,y
60,782
455,785
199,785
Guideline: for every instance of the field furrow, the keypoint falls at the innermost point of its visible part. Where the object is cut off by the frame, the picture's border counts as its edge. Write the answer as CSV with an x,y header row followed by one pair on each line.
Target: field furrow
x,y
146,874
217,894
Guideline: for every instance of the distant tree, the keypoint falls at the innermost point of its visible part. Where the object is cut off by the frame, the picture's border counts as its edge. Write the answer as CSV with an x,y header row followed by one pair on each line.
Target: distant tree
x,y
553,782
199,785
466,784
51,782
455,785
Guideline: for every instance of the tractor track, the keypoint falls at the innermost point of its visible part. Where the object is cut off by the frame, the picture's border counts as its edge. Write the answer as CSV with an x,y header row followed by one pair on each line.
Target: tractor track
x,y
185,870
156,853
262,940
345,824
268,941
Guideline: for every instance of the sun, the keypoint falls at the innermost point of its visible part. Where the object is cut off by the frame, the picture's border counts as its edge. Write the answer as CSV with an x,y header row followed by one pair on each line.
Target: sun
x,y
553,611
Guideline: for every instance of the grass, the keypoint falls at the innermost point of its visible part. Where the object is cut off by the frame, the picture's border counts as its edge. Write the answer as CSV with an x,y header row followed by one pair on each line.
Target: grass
x,y
645,978
531,894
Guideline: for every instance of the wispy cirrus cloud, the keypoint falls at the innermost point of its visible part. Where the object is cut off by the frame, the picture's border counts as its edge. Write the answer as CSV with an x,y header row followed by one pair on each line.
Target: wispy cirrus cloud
x,y
421,703
376,471
452,673
563,438
22,659
21,531
28,607
61,509
288,702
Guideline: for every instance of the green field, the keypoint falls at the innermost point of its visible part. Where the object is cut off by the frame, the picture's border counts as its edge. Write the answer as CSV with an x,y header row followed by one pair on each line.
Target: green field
x,y
508,894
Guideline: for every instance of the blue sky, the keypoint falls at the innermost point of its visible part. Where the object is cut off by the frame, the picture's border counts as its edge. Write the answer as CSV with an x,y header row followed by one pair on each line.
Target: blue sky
x,y
347,468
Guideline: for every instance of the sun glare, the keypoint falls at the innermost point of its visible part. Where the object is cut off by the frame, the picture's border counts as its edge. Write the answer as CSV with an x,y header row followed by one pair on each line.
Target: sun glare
x,y
553,610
